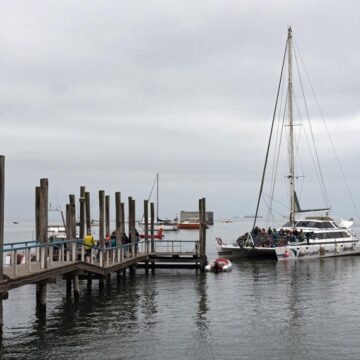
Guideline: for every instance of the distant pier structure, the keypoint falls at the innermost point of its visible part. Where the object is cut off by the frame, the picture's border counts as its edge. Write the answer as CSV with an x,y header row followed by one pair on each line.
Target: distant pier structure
x,y
195,216
44,260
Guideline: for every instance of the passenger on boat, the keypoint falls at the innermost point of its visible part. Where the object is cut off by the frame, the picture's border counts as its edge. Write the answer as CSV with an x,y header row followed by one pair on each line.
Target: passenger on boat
x,y
269,231
281,232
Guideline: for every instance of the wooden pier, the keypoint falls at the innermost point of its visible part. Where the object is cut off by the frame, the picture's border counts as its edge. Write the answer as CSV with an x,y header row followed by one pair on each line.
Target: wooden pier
x,y
43,261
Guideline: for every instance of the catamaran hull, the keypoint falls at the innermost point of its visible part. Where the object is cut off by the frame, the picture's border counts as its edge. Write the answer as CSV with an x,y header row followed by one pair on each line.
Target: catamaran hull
x,y
236,252
293,252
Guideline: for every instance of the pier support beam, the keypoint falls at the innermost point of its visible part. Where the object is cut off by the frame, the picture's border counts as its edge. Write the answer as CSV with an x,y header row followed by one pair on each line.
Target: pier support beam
x,y
76,286
41,291
68,287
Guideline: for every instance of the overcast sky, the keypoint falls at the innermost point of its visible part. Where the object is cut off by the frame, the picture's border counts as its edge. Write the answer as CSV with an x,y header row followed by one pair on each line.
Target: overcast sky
x,y
108,93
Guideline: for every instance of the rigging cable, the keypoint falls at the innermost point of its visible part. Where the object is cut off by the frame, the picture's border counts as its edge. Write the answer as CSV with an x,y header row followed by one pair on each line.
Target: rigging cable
x,y
330,138
268,147
327,201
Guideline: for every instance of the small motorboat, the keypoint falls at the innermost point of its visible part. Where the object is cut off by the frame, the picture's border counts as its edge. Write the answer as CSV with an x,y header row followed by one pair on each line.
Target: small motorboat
x,y
219,264
158,236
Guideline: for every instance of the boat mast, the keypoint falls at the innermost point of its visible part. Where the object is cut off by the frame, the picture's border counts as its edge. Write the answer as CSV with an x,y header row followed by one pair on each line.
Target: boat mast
x,y
291,175
157,197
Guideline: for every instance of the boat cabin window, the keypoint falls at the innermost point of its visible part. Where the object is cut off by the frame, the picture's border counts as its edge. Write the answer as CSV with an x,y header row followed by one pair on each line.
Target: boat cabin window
x,y
315,224
332,235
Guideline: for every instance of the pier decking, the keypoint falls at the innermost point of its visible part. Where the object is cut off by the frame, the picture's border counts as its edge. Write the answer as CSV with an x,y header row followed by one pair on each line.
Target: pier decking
x,y
24,263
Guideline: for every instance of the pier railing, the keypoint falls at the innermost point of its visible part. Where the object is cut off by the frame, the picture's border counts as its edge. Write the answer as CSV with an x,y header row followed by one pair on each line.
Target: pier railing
x,y
31,256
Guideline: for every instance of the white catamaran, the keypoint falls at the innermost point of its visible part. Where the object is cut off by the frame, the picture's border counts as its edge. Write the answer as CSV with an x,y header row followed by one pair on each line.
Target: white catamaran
x,y
300,238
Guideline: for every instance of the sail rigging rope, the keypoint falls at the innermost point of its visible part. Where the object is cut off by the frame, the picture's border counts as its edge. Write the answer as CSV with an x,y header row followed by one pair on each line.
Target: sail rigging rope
x,y
330,138
269,143
323,187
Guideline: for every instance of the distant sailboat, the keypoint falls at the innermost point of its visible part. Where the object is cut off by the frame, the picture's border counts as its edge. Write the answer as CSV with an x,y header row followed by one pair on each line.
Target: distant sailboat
x,y
164,224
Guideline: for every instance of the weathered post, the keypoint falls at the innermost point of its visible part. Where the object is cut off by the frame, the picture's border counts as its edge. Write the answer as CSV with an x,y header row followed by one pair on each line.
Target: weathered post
x,y
72,217
118,217
101,218
68,232
82,212
202,234
101,233
146,232
107,214
37,221
2,210
152,214
122,228
76,286
131,206
41,287
87,212
44,188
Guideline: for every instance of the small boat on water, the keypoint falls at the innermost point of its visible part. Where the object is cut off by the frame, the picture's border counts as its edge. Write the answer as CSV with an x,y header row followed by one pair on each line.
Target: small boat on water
x,y
159,235
219,265
190,224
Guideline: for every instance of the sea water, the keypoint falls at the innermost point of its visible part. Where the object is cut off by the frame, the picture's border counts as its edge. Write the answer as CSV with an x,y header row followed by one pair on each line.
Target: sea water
x,y
260,310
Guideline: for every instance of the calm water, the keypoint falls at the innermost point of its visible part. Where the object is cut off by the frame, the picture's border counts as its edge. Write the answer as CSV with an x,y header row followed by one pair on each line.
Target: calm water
x,y
296,310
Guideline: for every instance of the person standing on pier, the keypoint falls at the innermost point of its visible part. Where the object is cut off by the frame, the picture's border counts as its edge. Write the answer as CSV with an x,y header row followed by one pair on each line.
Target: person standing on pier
x,y
89,242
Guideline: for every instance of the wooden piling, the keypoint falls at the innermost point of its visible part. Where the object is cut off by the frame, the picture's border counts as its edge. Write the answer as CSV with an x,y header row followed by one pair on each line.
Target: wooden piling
x,y
122,219
101,218
87,212
82,212
132,236
146,231
202,234
152,215
68,287
68,222
2,211
72,217
43,220
118,218
152,245
76,286
107,214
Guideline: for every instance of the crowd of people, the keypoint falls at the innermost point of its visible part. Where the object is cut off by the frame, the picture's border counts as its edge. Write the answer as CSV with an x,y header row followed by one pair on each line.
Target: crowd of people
x,y
109,241
274,237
